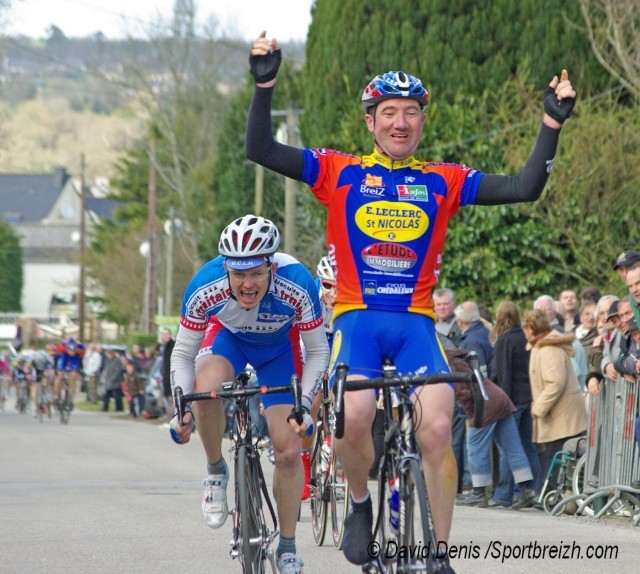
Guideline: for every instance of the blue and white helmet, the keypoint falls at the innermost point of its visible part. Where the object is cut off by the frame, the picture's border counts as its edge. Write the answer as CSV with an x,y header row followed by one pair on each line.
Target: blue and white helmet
x,y
394,85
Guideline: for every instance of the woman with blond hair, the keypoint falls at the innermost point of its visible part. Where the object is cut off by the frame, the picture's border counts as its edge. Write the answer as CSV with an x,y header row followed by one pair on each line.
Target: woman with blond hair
x,y
511,373
558,408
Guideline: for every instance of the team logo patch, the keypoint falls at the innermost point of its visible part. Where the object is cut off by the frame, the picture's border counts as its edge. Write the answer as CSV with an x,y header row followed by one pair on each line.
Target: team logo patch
x,y
373,180
412,192
389,257
384,288
388,221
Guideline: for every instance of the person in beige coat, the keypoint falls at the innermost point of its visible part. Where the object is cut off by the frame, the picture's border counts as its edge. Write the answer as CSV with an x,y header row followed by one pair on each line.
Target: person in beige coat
x,y
558,407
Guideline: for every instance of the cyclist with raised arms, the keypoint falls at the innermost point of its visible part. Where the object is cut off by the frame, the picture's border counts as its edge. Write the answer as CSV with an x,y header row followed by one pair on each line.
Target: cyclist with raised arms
x,y
69,358
251,304
387,217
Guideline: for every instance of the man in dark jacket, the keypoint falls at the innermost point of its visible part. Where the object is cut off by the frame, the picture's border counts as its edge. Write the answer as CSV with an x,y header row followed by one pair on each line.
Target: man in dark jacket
x,y
112,377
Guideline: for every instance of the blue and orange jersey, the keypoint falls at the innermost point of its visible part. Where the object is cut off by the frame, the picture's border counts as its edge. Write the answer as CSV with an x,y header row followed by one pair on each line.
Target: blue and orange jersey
x,y
386,225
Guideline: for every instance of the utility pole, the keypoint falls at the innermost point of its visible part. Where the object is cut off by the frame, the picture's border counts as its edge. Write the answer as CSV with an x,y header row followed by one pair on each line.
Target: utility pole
x,y
170,231
151,276
290,186
259,189
83,209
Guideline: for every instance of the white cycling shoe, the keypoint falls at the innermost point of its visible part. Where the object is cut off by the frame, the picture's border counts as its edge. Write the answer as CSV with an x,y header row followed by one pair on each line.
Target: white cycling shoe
x,y
214,501
289,563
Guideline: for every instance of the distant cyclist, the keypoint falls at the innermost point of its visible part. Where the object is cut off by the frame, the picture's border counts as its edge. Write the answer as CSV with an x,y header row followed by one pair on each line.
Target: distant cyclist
x,y
251,305
69,359
44,375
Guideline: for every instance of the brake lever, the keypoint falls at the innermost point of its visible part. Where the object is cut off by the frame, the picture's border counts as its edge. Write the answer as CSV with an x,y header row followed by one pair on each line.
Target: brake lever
x,y
296,389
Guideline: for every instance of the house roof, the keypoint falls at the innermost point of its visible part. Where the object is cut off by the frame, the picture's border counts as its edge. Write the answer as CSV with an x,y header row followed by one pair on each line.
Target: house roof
x,y
47,242
29,197
103,208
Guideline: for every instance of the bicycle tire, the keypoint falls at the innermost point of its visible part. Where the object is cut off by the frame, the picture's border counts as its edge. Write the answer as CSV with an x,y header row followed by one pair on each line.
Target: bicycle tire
x,y
319,502
62,407
248,495
340,499
22,399
387,538
415,515
40,404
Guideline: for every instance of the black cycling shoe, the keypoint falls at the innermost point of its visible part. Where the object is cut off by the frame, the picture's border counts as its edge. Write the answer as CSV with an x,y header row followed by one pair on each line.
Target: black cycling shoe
x,y
357,533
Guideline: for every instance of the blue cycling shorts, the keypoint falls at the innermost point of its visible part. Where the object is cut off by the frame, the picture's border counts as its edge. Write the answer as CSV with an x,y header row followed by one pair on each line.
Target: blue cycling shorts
x,y
363,339
274,363
67,362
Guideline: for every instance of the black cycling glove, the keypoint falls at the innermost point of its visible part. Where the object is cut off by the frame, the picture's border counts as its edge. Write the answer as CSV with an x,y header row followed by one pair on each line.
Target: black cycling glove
x,y
559,110
265,68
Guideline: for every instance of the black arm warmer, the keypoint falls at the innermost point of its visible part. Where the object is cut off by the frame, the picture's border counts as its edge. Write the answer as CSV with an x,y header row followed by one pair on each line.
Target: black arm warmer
x,y
529,183
260,145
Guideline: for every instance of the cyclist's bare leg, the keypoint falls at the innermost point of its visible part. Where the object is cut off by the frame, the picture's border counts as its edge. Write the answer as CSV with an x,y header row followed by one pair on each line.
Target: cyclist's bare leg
x,y
288,475
434,411
35,391
211,372
74,377
57,385
356,450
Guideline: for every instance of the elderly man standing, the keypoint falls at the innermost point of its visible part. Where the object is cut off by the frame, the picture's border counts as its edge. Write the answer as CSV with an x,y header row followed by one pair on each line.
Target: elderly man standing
x,y
92,364
474,335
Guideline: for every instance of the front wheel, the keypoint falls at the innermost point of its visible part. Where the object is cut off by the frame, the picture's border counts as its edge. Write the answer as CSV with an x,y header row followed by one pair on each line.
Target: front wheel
x,y
340,499
248,500
416,523
318,487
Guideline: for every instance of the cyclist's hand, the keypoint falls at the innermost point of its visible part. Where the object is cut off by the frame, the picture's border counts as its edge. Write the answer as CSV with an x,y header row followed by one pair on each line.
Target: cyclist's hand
x,y
265,59
305,429
182,434
559,99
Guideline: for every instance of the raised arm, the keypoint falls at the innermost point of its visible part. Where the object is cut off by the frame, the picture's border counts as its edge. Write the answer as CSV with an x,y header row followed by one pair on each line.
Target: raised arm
x,y
527,185
260,145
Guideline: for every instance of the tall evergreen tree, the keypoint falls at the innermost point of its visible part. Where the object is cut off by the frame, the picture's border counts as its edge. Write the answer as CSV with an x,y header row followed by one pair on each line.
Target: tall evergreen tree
x,y
11,278
454,46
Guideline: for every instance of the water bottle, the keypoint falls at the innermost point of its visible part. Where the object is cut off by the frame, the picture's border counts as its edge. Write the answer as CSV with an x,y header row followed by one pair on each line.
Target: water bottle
x,y
325,454
394,506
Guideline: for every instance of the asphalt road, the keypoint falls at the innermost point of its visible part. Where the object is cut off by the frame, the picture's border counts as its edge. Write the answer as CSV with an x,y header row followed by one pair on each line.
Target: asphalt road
x,y
109,494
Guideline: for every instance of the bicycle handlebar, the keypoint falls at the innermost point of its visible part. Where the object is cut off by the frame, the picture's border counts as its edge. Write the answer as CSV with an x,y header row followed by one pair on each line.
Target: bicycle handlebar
x,y
239,391
390,379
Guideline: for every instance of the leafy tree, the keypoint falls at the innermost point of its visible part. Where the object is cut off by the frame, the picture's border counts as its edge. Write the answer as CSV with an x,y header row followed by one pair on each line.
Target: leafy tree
x,y
614,36
11,278
235,179
116,272
179,88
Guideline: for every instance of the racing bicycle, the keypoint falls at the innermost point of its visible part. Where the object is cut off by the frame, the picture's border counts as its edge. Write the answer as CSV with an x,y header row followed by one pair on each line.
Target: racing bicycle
x,y
252,535
404,520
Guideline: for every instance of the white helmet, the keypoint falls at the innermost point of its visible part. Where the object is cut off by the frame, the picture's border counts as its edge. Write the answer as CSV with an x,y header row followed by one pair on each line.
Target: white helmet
x,y
325,271
249,236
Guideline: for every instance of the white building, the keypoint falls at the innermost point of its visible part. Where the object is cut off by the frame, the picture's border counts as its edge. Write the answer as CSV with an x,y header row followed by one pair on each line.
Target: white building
x,y
44,210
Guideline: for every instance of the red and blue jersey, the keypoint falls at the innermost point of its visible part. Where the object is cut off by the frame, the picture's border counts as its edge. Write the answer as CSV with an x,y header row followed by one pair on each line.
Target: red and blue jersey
x,y
386,225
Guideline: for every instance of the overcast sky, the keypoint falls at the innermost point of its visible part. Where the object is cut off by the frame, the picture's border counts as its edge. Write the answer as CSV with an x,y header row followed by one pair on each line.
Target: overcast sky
x,y
283,19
